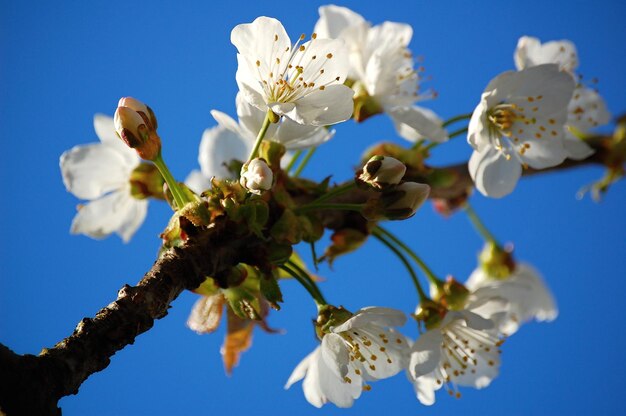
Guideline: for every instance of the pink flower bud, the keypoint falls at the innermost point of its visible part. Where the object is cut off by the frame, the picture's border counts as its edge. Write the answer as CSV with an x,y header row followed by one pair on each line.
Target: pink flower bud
x,y
135,124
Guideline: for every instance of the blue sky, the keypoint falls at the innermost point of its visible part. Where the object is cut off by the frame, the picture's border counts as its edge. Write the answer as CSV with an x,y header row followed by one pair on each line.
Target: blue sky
x,y
62,62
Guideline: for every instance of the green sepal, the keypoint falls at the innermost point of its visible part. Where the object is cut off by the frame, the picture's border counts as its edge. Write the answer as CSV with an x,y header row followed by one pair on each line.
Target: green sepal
x,y
271,290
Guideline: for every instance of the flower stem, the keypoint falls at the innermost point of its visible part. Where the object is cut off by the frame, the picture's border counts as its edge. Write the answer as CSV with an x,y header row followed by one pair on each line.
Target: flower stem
x,y
293,160
479,226
343,207
379,235
260,136
179,196
432,278
305,280
304,162
336,191
456,118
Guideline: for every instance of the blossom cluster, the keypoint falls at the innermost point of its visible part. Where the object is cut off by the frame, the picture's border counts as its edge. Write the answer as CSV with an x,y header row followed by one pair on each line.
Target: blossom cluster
x,y
291,94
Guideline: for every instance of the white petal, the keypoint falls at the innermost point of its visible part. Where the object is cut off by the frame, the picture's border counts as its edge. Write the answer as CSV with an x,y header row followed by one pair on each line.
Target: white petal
x,y
92,170
544,153
415,123
425,354
296,136
493,174
197,182
249,84
542,305
260,39
587,110
336,390
301,369
320,108
335,354
373,315
576,148
251,120
334,20
218,147
478,128
116,212
425,388
530,52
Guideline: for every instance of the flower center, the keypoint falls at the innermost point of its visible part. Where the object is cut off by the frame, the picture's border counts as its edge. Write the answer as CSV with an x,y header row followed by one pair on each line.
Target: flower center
x,y
465,353
295,71
367,349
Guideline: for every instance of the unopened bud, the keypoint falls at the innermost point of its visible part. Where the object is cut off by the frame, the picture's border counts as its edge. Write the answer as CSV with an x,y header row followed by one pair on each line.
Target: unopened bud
x,y
381,172
135,124
256,176
403,201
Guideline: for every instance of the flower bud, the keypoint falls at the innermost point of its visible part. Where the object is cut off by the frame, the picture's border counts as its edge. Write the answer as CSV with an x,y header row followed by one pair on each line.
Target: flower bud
x,y
256,176
403,201
143,110
381,172
135,124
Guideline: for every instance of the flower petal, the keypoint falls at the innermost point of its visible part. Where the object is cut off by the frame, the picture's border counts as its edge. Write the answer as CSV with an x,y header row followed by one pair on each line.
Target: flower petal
x,y
251,119
92,170
116,212
197,182
373,315
530,52
425,354
494,175
260,39
301,369
335,354
416,123
334,20
296,136
218,147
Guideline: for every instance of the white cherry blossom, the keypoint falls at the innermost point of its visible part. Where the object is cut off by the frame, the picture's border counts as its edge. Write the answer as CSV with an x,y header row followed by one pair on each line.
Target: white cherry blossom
x,y
518,123
527,295
361,349
586,109
303,82
100,173
463,350
382,68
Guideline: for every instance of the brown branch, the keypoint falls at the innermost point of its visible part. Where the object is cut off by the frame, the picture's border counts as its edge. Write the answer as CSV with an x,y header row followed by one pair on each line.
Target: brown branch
x,y
32,385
